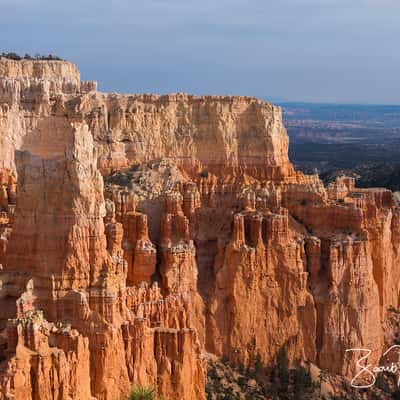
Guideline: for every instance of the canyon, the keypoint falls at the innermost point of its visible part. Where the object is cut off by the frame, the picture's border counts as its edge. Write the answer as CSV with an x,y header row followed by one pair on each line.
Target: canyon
x,y
140,234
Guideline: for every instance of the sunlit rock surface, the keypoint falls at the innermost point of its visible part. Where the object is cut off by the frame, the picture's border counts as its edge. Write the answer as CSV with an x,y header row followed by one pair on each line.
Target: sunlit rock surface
x,y
203,239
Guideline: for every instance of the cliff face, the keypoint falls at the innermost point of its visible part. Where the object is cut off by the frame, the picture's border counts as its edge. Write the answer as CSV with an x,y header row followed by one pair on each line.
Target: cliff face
x,y
196,132
46,70
61,260
219,134
204,239
30,91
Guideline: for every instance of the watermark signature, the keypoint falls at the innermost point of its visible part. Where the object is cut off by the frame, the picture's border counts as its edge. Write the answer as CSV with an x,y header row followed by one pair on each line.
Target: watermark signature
x,y
368,373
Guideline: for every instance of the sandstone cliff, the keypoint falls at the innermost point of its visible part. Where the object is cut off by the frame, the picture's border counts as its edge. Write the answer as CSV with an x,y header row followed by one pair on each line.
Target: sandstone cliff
x,y
204,239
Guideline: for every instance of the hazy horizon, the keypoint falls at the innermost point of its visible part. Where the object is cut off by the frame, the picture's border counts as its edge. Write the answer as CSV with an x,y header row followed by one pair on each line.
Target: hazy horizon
x,y
312,51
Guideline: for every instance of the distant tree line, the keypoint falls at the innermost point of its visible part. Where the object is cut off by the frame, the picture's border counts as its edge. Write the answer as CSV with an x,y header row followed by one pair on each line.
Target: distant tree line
x,y
17,57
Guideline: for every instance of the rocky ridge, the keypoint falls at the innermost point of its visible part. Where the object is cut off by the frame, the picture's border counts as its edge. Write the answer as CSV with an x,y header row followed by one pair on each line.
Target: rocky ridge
x,y
204,239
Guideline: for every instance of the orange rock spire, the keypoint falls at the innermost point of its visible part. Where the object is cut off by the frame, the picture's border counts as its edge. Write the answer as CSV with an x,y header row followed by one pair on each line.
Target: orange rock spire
x,y
203,240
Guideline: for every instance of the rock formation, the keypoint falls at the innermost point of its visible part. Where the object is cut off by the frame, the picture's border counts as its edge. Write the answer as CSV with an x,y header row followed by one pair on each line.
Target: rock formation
x,y
203,240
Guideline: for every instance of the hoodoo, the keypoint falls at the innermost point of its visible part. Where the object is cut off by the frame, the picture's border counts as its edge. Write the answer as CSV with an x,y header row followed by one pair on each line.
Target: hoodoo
x,y
142,234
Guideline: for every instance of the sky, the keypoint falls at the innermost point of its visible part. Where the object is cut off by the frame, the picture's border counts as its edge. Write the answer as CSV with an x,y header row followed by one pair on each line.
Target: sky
x,y
341,51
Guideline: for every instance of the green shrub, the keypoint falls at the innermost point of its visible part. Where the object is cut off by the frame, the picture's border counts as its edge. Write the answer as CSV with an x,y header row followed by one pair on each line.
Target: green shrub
x,y
224,360
17,57
142,393
347,231
283,369
209,391
259,371
242,382
241,368
11,56
302,381
212,373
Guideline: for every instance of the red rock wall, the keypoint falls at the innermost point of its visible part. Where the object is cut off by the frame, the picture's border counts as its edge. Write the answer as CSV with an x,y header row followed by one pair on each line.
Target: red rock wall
x,y
218,247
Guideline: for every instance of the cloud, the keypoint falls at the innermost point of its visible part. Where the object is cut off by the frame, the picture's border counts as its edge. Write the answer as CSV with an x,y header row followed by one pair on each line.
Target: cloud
x,y
254,47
